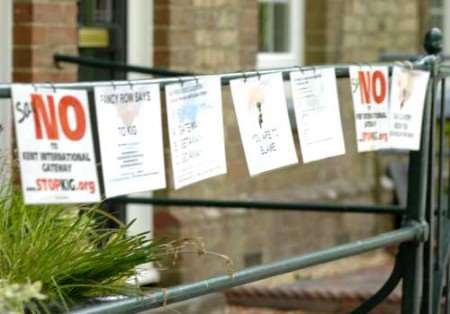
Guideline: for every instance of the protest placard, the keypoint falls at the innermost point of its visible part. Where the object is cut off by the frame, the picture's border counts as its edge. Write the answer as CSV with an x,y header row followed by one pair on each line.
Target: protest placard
x,y
130,135
406,107
261,110
316,105
370,92
195,119
55,147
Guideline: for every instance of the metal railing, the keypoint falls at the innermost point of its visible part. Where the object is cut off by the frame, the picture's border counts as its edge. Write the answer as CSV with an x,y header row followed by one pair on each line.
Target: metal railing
x,y
422,261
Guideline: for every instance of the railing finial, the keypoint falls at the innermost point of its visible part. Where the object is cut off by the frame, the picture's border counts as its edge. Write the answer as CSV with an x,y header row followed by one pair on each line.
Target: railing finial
x,y
433,41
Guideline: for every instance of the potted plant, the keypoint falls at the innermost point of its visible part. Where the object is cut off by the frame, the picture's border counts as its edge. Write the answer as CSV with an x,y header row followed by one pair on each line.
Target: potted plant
x,y
59,256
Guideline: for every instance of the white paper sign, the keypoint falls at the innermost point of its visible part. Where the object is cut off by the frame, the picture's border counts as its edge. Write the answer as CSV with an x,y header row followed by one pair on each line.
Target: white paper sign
x,y
130,133
316,105
406,107
370,90
261,110
54,140
195,119
5,142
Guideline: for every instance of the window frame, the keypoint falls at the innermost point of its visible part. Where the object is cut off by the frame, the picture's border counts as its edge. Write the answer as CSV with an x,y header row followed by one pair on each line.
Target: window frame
x,y
446,26
296,38
6,35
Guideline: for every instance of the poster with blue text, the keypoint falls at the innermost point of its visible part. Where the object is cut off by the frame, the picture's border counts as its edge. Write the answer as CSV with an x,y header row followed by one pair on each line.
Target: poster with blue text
x,y
195,120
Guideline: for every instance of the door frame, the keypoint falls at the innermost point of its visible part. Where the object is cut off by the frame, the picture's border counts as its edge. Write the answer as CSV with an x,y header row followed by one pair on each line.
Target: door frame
x,y
140,52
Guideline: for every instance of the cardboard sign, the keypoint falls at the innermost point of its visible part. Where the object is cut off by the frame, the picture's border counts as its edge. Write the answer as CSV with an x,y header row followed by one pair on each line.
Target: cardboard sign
x,y
5,142
317,114
195,119
370,92
130,134
263,120
54,140
406,107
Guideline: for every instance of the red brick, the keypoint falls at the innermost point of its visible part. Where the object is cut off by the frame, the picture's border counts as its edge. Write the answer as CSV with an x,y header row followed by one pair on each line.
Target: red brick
x,y
22,12
22,34
160,38
161,15
65,76
22,57
43,75
54,13
62,35
42,57
29,34
23,77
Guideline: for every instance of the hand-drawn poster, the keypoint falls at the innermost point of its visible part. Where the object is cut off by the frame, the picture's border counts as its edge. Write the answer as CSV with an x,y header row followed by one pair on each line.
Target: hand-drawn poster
x,y
406,107
316,105
261,110
370,91
54,141
130,134
195,120
5,142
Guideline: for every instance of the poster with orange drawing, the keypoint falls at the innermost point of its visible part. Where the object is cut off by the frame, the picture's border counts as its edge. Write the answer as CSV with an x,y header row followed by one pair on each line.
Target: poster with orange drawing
x,y
370,93
130,135
262,116
55,145
406,107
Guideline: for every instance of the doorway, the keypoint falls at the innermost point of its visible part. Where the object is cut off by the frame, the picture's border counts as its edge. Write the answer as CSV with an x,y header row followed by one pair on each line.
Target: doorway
x,y
102,35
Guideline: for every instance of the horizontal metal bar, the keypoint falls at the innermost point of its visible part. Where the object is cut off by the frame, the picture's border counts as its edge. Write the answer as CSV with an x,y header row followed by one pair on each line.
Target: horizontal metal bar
x,y
116,66
187,291
398,56
341,72
261,205
444,71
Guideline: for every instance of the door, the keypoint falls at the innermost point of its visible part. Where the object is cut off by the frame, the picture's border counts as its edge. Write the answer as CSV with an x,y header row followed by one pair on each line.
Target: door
x,y
102,35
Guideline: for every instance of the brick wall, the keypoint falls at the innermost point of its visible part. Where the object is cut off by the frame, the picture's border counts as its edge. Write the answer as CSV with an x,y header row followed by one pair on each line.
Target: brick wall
x,y
205,35
351,31
42,28
201,36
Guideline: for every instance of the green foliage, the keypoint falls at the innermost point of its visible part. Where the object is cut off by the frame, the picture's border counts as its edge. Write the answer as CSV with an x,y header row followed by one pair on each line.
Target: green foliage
x,y
68,251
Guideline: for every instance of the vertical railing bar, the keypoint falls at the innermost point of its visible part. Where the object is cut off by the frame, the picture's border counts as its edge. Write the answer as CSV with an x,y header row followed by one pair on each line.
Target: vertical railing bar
x,y
440,182
412,287
447,292
428,263
446,303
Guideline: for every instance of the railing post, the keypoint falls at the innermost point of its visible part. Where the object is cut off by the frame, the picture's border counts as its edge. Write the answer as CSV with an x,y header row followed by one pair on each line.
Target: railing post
x,y
418,256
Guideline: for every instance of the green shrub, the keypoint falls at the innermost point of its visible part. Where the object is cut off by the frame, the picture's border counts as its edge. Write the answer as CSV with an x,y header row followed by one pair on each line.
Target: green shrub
x,y
68,251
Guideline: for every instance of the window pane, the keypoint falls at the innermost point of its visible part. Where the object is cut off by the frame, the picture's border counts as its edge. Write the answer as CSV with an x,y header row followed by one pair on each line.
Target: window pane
x,y
281,27
264,43
274,26
103,11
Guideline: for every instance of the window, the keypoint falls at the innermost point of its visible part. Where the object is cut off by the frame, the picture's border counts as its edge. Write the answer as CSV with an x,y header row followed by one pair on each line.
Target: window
x,y
280,33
